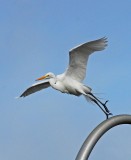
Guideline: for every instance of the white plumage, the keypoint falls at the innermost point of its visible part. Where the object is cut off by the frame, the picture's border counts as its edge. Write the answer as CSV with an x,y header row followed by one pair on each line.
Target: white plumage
x,y
71,80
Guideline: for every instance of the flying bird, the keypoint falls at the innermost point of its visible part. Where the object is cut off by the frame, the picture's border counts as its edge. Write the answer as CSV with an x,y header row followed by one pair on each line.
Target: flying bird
x,y
70,81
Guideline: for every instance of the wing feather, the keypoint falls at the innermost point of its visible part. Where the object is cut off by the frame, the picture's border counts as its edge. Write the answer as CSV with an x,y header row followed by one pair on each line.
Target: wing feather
x,y
78,58
34,88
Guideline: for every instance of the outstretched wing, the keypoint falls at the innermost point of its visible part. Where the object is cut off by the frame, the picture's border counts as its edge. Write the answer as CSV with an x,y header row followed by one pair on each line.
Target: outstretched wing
x,y
78,57
35,87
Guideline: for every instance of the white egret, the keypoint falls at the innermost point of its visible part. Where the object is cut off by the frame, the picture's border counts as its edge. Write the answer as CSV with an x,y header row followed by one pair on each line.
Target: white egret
x,y
70,81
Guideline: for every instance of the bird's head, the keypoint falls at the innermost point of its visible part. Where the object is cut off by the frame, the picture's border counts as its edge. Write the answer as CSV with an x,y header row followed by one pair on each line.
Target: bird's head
x,y
46,76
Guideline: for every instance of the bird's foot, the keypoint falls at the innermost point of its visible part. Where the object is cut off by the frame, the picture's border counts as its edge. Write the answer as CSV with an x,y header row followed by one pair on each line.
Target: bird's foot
x,y
107,112
104,105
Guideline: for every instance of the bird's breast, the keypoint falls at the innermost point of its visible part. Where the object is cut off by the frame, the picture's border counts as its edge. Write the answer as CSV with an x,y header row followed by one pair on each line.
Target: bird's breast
x,y
68,86
58,85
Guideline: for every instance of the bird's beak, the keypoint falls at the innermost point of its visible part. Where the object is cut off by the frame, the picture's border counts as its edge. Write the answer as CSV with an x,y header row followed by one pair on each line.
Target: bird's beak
x,y
43,77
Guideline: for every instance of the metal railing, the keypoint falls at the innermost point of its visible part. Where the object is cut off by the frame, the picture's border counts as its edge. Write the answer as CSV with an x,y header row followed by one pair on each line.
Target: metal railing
x,y
98,132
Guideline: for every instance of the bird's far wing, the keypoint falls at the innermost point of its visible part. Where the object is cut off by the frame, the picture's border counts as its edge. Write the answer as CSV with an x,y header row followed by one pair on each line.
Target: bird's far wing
x,y
78,57
35,87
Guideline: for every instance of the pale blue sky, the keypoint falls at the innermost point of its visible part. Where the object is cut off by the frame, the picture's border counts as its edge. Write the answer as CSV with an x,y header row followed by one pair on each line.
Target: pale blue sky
x,y
35,37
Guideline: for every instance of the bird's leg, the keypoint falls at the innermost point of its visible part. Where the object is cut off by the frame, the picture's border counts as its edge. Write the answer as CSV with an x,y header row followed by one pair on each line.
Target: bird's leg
x,y
106,113
105,107
103,104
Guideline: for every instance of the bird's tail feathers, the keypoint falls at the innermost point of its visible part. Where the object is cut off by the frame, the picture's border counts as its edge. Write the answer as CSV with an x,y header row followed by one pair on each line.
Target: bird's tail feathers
x,y
91,98
98,95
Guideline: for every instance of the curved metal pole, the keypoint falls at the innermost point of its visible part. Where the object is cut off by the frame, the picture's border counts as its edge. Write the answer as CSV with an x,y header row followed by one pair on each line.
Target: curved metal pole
x,y
98,132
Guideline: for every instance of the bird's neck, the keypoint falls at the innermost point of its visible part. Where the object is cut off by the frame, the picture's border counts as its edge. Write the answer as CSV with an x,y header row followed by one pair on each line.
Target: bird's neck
x,y
53,80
